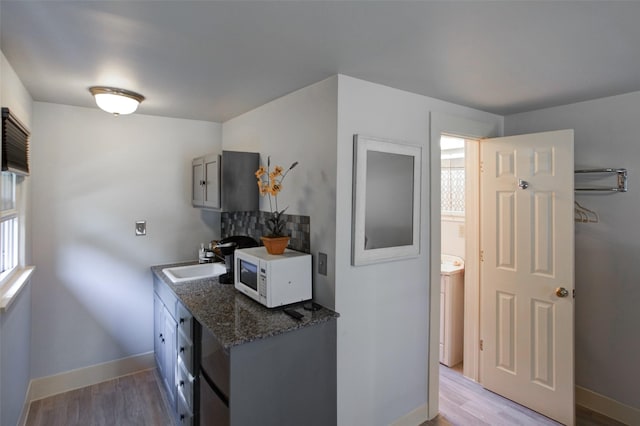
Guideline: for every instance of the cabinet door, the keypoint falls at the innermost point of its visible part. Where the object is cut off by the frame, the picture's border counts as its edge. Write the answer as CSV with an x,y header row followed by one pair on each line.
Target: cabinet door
x,y
170,356
212,181
197,181
158,333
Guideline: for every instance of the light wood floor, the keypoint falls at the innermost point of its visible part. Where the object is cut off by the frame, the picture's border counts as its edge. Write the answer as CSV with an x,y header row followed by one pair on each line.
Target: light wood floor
x,y
131,400
464,402
139,399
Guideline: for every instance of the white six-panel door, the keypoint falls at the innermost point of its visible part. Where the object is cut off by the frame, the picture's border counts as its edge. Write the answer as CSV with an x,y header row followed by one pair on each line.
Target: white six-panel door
x,y
527,264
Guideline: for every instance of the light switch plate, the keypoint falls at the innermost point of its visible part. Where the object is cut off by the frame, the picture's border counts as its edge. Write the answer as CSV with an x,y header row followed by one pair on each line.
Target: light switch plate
x,y
141,228
322,263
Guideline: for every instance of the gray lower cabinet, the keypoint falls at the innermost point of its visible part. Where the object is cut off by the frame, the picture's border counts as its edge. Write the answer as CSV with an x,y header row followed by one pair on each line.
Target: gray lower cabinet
x,y
287,379
175,354
282,380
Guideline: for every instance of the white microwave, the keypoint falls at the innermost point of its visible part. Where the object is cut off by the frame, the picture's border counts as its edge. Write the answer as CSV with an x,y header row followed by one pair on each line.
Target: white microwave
x,y
273,280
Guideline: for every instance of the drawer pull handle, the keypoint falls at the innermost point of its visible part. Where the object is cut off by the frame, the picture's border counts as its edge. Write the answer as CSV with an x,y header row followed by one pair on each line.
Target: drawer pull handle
x,y
181,383
181,349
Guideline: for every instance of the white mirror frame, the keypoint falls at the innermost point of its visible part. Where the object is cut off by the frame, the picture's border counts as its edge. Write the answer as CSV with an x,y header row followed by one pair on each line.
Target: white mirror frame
x,y
361,146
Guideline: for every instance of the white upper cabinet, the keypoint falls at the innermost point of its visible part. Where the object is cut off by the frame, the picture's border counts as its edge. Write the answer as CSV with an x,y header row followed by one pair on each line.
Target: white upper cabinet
x,y
206,181
225,182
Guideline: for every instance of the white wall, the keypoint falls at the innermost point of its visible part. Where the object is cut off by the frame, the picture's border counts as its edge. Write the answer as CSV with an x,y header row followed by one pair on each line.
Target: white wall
x,y
384,308
13,94
452,233
15,322
93,176
300,126
607,134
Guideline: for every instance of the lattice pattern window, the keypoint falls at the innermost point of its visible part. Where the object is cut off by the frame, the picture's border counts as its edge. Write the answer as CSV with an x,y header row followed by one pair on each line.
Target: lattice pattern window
x,y
452,181
452,175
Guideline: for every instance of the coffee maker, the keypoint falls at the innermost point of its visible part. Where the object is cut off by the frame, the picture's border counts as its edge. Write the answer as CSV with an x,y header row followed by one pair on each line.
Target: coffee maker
x,y
225,249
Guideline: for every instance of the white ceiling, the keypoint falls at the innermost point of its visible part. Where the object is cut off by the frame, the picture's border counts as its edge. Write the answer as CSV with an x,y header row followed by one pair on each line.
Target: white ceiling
x,y
213,60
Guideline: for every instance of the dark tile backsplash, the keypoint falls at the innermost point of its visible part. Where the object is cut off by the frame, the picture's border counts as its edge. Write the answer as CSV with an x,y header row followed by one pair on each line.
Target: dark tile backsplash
x,y
254,224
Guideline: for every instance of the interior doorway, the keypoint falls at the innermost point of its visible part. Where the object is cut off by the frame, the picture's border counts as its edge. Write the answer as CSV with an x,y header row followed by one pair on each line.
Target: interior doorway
x,y
538,209
458,254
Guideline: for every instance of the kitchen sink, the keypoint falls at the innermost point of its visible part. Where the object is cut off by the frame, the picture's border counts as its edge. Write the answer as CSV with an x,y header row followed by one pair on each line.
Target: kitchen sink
x,y
194,272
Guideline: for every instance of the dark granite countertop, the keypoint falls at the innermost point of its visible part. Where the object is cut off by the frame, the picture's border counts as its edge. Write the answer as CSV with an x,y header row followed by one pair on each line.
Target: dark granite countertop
x,y
232,317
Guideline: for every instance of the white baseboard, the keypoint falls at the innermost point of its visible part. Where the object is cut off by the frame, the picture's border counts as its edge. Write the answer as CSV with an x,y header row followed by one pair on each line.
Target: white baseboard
x,y
607,406
87,376
415,417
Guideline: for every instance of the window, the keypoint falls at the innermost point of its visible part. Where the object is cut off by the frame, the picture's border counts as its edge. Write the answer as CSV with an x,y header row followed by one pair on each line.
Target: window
x,y
452,176
15,167
9,225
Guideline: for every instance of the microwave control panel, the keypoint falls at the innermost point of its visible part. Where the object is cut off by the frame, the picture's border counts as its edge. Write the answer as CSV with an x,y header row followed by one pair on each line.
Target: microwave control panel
x,y
262,284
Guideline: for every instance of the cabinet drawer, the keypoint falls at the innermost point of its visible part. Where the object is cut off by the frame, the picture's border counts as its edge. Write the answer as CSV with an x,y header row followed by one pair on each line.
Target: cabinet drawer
x,y
185,415
185,320
185,385
185,351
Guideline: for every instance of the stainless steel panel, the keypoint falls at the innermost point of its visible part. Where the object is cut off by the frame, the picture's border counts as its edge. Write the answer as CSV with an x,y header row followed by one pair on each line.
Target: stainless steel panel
x,y
213,411
215,362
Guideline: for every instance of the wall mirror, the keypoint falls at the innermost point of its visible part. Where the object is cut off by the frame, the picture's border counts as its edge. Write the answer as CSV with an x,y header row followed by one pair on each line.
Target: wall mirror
x,y
386,200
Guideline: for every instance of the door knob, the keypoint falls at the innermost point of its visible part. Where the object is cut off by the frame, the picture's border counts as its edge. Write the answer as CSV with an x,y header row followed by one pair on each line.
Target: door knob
x,y
523,184
562,292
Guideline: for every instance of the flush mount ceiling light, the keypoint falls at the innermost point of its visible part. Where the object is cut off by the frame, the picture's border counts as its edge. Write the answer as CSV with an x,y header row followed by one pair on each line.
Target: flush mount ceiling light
x,y
116,101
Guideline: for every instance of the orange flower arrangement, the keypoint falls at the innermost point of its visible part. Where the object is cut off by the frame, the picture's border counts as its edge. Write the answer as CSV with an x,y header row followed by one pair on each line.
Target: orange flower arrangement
x,y
270,183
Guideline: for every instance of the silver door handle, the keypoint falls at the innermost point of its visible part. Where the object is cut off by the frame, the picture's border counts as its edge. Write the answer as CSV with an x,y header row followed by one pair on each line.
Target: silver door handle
x,y
523,184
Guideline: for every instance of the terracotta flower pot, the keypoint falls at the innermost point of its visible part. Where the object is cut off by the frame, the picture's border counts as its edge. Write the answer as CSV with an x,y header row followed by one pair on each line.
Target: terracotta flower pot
x,y
275,245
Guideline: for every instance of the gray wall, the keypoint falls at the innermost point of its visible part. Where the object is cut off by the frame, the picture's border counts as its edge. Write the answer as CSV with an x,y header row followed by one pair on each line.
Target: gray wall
x,y
300,126
93,176
15,321
607,134
383,329
383,326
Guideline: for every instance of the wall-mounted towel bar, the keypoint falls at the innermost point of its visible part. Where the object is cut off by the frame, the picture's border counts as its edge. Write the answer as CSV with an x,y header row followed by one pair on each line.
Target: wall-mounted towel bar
x,y
621,175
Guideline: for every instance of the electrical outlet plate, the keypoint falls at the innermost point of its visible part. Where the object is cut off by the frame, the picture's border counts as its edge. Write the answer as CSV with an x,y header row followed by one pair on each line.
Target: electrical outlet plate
x,y
141,228
322,263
